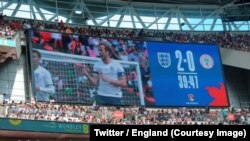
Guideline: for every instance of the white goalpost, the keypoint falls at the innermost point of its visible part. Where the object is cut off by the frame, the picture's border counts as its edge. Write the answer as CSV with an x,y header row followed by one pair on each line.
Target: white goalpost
x,y
73,87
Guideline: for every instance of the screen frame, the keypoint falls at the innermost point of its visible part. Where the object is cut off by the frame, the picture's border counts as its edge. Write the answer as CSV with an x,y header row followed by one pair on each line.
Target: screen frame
x,y
31,69
30,49
223,75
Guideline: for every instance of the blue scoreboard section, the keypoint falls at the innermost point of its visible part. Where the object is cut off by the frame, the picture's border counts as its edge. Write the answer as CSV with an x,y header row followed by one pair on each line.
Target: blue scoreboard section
x,y
186,75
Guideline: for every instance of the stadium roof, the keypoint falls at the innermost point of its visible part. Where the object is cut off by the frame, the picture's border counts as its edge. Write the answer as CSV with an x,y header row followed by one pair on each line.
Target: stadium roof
x,y
193,2
188,15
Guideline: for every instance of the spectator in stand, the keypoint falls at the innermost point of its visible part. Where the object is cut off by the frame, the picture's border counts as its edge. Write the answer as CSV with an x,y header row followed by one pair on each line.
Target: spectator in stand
x,y
61,25
114,53
57,41
133,56
90,51
124,55
1,18
79,51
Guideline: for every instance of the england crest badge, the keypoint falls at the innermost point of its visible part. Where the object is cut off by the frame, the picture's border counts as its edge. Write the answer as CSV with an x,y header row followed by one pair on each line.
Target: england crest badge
x,y
164,59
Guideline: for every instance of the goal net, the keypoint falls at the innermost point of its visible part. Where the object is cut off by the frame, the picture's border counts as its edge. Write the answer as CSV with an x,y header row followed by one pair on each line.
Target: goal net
x,y
73,87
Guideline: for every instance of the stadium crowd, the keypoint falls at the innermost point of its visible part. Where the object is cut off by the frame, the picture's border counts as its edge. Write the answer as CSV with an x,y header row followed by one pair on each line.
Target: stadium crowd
x,y
9,27
233,40
127,115
123,51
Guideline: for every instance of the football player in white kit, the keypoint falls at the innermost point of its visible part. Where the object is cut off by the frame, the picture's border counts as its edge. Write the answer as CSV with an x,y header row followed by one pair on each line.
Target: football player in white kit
x,y
109,77
43,81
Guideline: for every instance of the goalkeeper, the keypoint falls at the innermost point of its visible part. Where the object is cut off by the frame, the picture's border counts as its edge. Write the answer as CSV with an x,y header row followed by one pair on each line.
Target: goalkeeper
x,y
108,77
43,80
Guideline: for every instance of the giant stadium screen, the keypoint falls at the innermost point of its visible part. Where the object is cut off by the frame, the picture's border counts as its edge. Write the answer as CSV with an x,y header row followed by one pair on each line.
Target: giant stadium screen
x,y
71,68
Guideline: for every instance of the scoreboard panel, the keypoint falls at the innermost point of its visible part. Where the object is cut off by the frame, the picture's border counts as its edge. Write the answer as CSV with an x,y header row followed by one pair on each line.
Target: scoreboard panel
x,y
186,75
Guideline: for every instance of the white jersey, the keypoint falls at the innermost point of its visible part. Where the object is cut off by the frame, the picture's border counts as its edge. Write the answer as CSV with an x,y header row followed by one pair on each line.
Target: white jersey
x,y
57,36
43,80
111,70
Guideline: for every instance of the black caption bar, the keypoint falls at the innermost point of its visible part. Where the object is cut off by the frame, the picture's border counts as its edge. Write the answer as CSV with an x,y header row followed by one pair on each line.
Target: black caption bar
x,y
163,132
